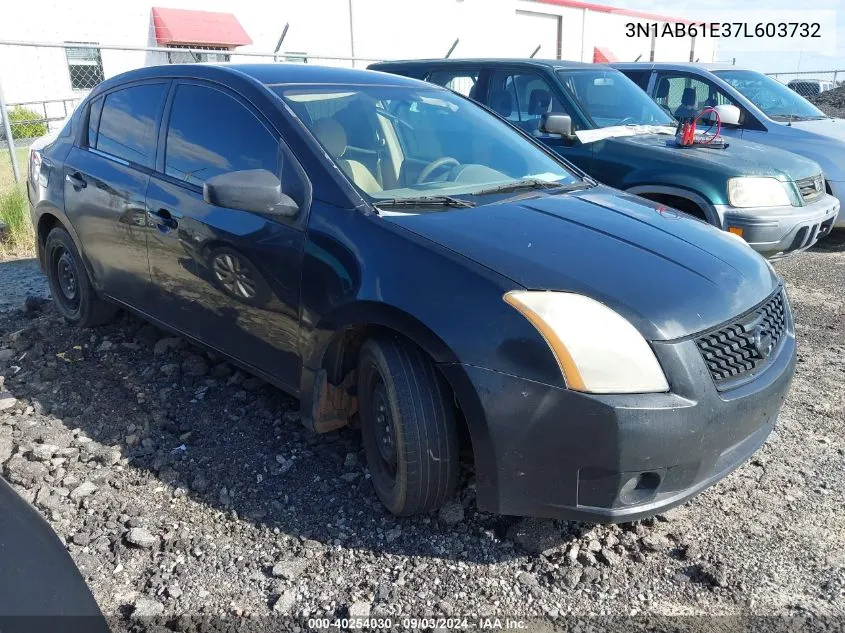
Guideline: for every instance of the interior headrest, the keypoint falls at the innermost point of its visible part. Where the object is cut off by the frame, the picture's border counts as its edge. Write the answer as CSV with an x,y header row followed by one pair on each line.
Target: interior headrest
x,y
662,89
502,102
689,97
331,134
539,101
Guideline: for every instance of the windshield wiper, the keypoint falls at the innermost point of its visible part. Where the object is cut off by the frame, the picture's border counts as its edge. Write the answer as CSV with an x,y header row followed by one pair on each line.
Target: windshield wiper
x,y
530,183
424,201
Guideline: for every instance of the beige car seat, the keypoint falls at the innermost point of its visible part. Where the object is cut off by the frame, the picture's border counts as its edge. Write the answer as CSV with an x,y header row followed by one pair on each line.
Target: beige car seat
x,y
333,137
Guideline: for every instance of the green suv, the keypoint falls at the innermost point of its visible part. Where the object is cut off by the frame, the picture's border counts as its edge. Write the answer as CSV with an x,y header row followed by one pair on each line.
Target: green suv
x,y
611,129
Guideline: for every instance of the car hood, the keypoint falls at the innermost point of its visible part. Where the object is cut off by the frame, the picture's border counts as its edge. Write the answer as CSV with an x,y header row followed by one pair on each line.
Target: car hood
x,y
668,273
740,157
831,128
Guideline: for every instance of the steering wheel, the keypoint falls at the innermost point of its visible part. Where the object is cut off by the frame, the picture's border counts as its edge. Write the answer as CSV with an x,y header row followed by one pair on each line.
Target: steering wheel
x,y
434,165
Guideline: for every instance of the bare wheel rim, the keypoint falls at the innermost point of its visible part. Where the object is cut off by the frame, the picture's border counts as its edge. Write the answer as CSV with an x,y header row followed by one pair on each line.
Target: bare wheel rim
x,y
381,419
234,276
67,278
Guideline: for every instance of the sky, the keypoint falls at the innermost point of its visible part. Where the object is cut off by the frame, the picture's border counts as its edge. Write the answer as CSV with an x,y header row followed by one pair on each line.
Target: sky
x,y
764,59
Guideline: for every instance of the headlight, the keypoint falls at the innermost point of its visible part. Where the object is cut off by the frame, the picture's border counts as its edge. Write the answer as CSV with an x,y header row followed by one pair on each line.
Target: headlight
x,y
757,192
598,350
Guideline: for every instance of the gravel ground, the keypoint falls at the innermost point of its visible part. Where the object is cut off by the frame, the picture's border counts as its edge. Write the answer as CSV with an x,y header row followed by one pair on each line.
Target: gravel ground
x,y
183,486
19,279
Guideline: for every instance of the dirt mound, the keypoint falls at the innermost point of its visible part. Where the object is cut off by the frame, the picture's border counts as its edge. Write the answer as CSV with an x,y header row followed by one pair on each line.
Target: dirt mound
x,y
831,102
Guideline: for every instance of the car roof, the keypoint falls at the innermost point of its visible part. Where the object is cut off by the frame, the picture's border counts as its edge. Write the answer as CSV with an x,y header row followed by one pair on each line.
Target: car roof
x,y
502,61
268,74
677,66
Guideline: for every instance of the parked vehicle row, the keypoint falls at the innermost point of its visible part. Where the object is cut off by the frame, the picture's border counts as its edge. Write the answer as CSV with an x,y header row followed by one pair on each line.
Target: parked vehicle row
x,y
770,113
774,199
400,258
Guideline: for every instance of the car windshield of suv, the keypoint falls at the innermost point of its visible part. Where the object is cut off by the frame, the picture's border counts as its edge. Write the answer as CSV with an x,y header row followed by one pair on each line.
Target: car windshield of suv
x,y
610,98
404,143
775,99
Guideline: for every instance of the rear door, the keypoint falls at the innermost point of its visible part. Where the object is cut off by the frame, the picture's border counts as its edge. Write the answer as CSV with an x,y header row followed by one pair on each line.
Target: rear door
x,y
226,276
105,184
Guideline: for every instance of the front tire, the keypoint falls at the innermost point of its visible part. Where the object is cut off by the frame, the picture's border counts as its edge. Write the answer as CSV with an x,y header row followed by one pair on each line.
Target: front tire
x,y
407,425
73,295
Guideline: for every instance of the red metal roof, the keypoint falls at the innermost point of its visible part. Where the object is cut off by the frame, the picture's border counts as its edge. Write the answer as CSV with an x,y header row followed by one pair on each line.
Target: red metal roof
x,y
603,55
602,8
182,26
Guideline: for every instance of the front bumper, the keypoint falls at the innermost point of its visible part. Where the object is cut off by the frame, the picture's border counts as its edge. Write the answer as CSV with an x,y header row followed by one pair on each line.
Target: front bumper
x,y
778,231
546,451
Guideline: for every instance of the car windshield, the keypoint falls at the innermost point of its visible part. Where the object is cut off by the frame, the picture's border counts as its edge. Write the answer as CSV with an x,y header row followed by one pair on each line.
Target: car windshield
x,y
775,99
402,143
610,98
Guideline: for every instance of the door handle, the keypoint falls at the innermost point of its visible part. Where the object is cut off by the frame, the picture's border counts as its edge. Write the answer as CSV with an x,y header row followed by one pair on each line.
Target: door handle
x,y
164,220
76,180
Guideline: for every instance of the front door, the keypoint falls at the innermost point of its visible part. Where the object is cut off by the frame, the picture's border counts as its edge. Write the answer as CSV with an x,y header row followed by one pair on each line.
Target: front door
x,y
106,178
522,97
226,276
684,94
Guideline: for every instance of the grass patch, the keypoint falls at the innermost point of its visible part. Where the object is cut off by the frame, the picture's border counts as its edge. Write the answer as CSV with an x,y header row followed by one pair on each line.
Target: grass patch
x,y
18,237
7,181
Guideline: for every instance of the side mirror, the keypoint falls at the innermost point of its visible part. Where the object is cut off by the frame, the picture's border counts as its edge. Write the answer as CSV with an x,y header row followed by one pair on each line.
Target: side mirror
x,y
552,123
729,114
255,190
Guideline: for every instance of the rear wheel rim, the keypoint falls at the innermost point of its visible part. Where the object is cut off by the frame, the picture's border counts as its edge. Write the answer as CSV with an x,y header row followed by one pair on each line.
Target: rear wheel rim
x,y
67,278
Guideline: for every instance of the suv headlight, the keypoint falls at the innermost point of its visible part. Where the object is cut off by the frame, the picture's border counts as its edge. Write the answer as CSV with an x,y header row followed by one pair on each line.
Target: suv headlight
x,y
597,350
757,192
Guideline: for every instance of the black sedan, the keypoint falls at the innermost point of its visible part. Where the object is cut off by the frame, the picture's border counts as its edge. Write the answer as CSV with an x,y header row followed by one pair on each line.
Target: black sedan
x,y
399,258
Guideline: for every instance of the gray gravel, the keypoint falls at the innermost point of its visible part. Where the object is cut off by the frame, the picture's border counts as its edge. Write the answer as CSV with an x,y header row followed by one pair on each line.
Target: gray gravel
x,y
178,491
19,279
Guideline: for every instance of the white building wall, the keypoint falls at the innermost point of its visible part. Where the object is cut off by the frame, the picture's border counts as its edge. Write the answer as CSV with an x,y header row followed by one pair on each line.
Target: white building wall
x,y
383,29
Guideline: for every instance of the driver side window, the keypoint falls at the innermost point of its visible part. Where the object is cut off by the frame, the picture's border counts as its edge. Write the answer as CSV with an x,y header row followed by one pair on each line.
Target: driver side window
x,y
683,96
522,98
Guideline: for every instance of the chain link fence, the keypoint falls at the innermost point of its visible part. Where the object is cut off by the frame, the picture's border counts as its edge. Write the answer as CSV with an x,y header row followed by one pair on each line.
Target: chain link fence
x,y
43,82
811,83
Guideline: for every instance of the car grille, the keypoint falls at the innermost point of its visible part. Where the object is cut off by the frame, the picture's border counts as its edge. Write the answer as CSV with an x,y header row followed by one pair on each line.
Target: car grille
x,y
744,347
810,188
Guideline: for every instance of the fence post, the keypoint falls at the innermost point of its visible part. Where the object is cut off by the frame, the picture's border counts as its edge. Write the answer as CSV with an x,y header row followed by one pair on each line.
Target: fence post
x,y
4,114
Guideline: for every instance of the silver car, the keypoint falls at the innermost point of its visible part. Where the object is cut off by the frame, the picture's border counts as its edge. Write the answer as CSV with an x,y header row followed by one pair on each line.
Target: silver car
x,y
771,113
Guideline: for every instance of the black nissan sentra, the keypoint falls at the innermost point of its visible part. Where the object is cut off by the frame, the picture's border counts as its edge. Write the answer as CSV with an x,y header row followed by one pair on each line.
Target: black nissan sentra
x,y
402,260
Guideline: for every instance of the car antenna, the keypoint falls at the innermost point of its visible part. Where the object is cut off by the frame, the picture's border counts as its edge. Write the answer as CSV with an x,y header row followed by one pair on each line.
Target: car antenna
x,y
536,50
638,57
452,48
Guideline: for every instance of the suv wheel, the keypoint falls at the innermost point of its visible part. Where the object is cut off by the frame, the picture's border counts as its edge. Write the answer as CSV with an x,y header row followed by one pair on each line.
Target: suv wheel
x,y
73,294
408,427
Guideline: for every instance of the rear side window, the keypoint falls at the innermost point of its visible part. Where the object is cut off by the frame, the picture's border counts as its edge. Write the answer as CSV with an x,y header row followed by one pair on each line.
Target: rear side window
x,y
461,81
211,133
127,127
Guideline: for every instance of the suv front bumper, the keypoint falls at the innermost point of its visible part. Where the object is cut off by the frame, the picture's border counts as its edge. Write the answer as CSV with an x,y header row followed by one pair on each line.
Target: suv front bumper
x,y
548,451
778,231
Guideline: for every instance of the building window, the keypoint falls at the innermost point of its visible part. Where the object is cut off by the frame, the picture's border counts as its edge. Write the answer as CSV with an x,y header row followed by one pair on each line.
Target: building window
x,y
214,54
84,65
